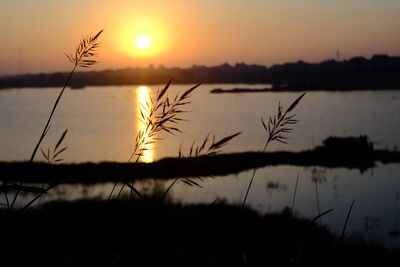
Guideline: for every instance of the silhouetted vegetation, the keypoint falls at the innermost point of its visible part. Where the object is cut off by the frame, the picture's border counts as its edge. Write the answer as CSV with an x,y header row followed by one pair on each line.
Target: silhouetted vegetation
x,y
148,233
277,127
200,165
82,57
147,230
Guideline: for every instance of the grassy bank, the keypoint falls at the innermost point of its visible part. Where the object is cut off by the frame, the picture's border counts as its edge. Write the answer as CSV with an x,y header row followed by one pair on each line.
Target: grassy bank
x,y
169,168
148,233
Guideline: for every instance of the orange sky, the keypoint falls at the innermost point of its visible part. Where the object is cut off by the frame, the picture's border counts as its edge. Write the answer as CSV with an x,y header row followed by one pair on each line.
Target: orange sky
x,y
35,34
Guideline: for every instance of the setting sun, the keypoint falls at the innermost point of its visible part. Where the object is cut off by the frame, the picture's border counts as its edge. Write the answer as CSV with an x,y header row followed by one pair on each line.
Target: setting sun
x,y
145,39
143,42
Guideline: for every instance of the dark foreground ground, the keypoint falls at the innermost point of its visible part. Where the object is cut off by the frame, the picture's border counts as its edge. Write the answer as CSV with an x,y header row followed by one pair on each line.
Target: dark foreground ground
x,y
150,233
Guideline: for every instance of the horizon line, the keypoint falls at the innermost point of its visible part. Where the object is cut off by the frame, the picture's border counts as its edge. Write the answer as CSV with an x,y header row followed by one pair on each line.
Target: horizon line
x,y
162,66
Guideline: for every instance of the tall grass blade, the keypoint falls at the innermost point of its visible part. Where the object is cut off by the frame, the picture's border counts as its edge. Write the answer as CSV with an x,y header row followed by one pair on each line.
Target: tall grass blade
x,y
28,189
168,189
189,91
248,188
37,197
223,141
60,151
295,103
198,151
297,260
86,46
347,220
163,91
276,131
60,140
295,191
322,214
162,115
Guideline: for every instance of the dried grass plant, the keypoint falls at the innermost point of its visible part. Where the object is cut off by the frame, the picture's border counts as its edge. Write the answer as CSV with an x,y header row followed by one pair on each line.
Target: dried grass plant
x,y
207,148
83,57
52,156
277,127
161,114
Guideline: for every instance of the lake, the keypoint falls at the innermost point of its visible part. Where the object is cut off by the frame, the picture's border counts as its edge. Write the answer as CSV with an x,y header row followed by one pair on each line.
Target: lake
x,y
102,125
102,121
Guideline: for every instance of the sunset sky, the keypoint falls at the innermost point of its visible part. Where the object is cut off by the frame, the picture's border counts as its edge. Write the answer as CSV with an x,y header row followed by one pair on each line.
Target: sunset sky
x,y
36,34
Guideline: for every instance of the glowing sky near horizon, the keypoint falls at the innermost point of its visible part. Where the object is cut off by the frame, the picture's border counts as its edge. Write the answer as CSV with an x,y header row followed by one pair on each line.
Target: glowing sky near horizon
x,y
35,34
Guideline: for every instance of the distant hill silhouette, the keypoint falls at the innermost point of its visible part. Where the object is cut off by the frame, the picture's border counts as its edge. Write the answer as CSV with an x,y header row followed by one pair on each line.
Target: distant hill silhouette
x,y
379,72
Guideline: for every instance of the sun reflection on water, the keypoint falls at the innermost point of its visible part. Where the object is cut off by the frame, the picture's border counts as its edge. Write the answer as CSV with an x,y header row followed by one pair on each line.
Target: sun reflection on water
x,y
144,107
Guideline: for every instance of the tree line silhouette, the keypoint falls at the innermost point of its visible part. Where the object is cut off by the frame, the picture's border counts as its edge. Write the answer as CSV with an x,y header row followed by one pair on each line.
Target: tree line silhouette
x,y
378,72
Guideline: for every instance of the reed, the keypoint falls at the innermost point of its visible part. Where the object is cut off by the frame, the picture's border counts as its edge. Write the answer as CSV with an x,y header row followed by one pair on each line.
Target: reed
x,y
83,57
277,127
206,148
315,177
53,156
347,220
163,115
159,115
295,192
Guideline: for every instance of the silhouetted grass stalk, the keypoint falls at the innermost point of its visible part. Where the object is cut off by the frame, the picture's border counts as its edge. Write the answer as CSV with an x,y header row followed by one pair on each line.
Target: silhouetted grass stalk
x,y
276,128
315,178
81,58
52,156
206,148
347,220
319,216
294,194
159,115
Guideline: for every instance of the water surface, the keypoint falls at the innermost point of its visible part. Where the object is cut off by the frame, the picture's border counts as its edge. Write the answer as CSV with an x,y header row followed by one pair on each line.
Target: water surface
x,y
102,123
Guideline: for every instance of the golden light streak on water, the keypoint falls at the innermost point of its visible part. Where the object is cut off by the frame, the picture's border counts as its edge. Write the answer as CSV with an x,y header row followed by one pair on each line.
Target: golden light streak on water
x,y
144,106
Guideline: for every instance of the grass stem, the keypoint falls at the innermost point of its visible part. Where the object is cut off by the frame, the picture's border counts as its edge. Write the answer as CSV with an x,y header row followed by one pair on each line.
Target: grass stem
x,y
347,220
294,194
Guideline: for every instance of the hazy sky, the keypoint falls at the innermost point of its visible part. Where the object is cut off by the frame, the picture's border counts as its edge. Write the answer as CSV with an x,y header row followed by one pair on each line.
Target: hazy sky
x,y
36,33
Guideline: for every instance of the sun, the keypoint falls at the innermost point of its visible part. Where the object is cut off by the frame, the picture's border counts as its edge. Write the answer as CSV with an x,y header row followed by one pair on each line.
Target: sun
x,y
142,42
144,39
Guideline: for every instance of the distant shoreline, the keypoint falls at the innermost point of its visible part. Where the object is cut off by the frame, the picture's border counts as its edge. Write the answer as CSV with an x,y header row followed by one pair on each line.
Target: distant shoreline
x,y
359,73
285,90
236,90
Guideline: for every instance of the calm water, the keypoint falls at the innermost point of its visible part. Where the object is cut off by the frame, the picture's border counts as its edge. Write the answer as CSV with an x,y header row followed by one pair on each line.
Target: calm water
x,y
102,126
102,120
